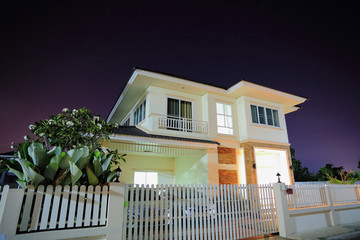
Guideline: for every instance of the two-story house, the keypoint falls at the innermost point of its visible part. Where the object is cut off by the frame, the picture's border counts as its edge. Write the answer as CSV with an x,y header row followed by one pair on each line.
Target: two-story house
x,y
177,131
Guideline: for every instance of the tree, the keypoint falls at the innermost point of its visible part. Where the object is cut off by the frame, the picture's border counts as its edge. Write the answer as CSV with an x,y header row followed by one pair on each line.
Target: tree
x,y
324,172
359,163
345,178
300,173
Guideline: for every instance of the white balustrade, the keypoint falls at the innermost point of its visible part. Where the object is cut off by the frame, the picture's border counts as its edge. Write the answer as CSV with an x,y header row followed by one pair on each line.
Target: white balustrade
x,y
183,124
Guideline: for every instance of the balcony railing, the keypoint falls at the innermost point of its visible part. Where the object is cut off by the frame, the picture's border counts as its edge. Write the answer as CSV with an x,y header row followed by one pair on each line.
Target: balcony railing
x,y
183,124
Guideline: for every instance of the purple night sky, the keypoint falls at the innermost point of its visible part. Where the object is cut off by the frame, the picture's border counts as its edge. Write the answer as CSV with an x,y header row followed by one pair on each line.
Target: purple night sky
x,y
56,54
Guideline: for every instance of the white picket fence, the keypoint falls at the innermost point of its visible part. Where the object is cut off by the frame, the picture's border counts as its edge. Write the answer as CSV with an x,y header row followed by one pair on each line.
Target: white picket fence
x,y
309,195
199,212
344,194
63,208
313,195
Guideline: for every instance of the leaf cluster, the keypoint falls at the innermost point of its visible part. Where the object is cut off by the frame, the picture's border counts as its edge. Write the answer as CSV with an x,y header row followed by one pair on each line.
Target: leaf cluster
x,y
72,129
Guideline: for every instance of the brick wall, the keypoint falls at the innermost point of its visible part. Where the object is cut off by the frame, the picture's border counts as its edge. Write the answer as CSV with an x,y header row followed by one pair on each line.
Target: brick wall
x,y
226,155
228,176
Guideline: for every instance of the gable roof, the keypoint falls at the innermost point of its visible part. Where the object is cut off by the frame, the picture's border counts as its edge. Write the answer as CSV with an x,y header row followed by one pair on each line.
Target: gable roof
x,y
136,132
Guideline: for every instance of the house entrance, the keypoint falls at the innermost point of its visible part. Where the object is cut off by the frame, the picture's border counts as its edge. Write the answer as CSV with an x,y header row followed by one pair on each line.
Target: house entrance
x,y
270,162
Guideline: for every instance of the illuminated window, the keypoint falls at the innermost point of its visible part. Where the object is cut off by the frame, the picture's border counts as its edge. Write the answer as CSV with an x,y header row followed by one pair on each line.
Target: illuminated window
x,y
146,178
268,116
139,113
224,119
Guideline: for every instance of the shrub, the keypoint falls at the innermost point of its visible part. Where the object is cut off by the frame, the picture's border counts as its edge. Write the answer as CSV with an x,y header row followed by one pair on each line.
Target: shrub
x,y
66,150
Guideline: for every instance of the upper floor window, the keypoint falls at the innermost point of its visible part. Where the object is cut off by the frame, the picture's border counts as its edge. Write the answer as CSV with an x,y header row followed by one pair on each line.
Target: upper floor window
x,y
146,178
139,113
224,119
264,115
127,122
179,108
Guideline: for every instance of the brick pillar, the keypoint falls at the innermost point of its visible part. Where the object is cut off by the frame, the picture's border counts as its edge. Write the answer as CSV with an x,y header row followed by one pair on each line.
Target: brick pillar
x,y
249,157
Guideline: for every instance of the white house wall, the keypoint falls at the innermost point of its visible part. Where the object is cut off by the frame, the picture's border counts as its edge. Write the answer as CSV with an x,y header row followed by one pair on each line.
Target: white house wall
x,y
249,130
135,162
191,170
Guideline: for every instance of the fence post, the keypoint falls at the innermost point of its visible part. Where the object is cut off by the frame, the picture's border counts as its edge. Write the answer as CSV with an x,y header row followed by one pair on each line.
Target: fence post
x,y
282,211
334,220
10,207
116,211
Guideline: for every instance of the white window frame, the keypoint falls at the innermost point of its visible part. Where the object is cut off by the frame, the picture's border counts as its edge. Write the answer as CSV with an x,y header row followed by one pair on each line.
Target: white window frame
x,y
142,105
224,115
265,116
146,173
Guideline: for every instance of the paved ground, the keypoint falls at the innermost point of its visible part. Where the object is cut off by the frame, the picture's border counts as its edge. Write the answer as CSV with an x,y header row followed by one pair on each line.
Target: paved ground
x,y
346,231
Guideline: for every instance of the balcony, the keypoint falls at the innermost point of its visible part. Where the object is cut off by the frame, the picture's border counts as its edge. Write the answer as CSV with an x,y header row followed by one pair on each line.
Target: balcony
x,y
183,124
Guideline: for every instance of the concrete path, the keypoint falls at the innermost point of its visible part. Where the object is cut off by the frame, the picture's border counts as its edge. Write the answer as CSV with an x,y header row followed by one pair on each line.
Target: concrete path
x,y
346,231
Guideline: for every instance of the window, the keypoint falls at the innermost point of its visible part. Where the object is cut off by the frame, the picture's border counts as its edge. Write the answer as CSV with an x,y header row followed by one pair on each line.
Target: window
x,y
179,115
139,113
146,178
266,116
224,119
127,122
179,108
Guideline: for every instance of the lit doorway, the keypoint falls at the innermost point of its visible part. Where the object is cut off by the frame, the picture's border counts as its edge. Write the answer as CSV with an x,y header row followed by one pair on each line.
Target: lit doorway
x,y
270,162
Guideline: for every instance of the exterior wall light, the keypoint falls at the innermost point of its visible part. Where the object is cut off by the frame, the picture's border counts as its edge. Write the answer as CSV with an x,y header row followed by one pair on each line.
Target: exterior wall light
x,y
117,174
254,165
278,175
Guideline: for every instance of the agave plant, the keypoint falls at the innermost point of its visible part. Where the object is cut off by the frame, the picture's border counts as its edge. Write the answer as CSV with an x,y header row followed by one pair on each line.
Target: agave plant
x,y
35,165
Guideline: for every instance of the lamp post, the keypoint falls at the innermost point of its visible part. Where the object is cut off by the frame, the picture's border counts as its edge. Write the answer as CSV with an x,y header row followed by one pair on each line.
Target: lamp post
x,y
278,175
117,174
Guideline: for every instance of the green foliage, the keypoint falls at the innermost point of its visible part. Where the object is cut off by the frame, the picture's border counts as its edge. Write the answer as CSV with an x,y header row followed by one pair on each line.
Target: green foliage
x,y
329,170
72,129
66,150
345,177
58,167
301,174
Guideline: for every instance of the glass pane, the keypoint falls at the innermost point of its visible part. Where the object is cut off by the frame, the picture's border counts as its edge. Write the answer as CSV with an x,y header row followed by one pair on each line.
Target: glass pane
x,y
139,178
269,117
262,115
223,130
228,122
254,114
173,107
219,108
140,113
186,110
151,178
276,118
144,109
220,120
227,109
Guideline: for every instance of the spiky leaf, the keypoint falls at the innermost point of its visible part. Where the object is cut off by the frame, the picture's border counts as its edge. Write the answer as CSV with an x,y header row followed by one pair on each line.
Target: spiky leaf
x,y
53,166
75,173
93,180
38,154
